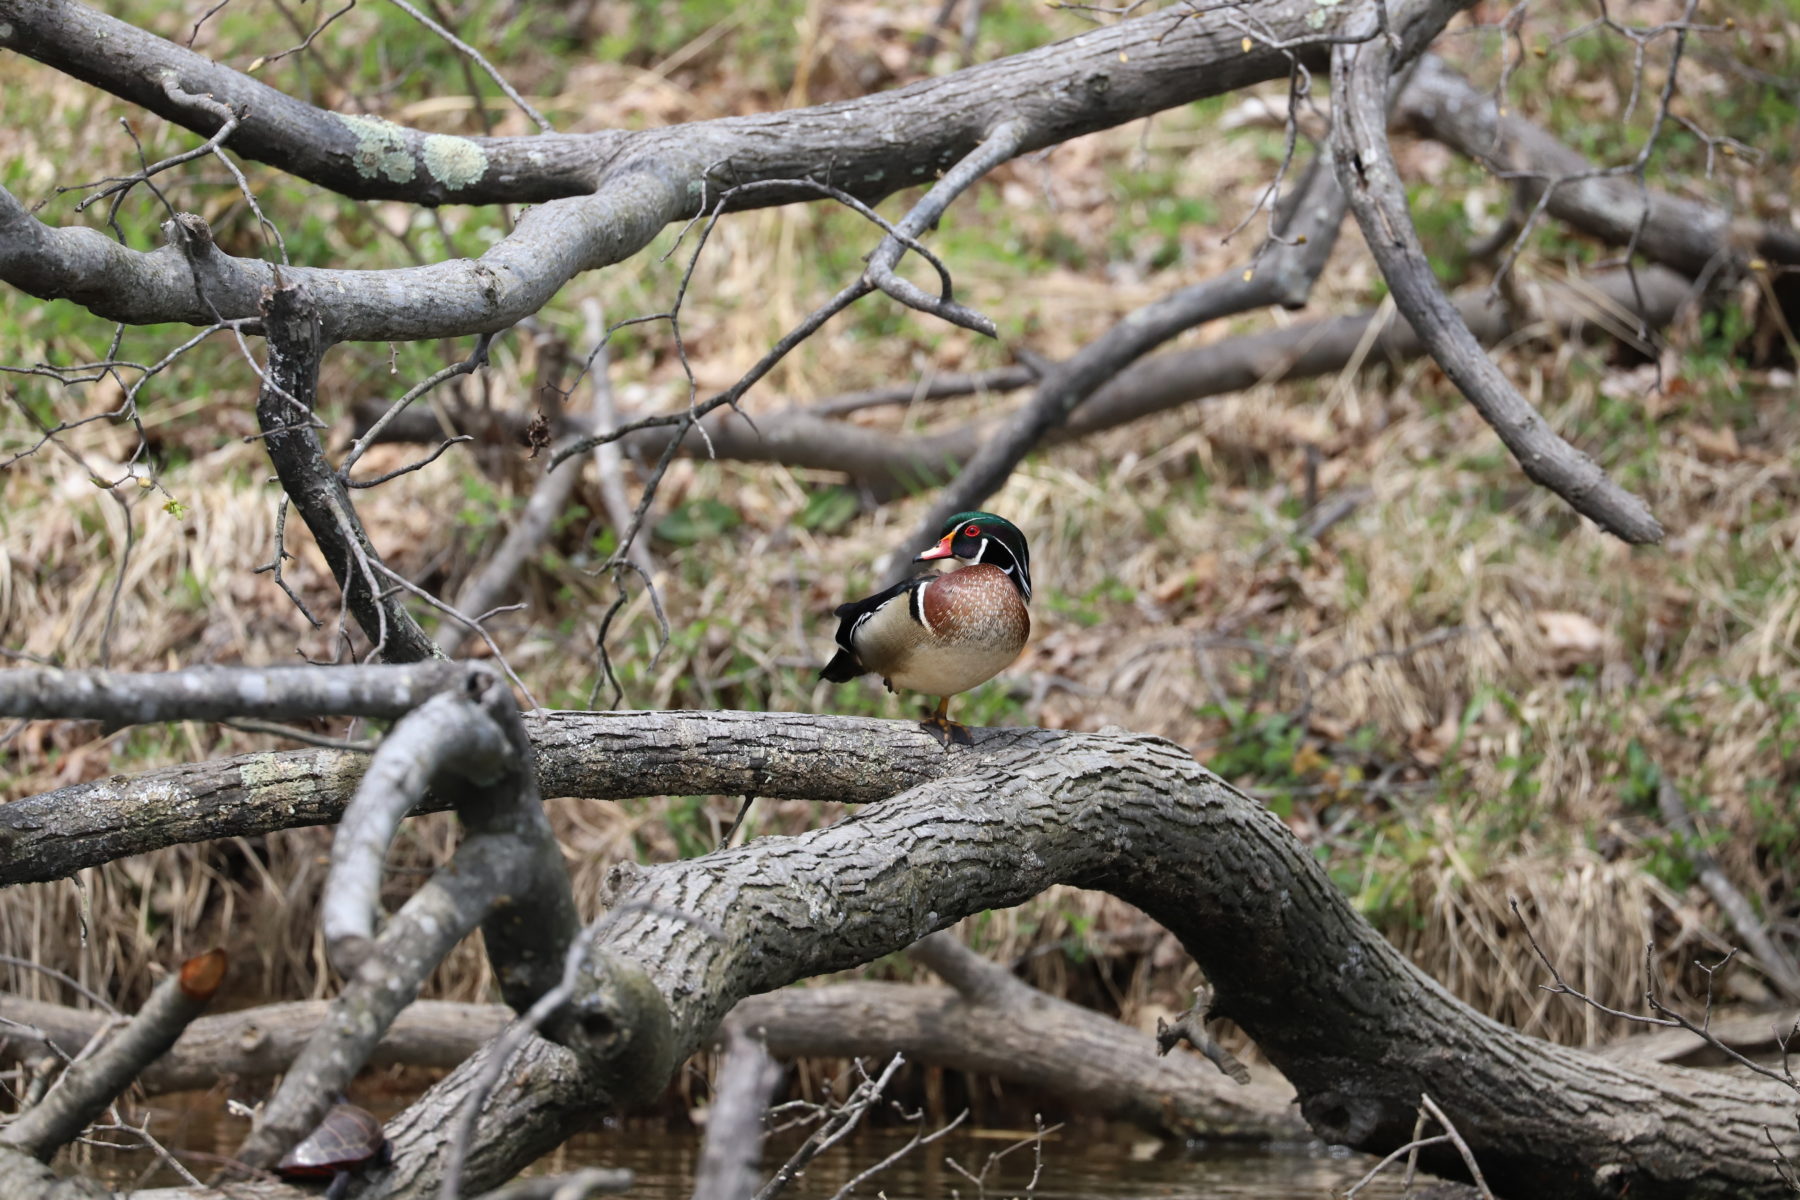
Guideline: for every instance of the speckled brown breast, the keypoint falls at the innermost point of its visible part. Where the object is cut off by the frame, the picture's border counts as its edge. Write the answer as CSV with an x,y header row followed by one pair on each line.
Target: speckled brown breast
x,y
975,626
978,607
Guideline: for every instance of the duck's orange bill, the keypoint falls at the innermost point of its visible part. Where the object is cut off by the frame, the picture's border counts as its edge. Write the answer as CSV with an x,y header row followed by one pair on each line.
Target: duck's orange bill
x,y
941,550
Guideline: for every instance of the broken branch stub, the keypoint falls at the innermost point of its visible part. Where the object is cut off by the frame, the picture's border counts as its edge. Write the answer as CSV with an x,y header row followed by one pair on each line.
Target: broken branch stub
x,y
89,1085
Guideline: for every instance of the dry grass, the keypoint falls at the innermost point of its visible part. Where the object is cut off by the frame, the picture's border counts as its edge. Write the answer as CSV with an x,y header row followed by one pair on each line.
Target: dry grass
x,y
1458,694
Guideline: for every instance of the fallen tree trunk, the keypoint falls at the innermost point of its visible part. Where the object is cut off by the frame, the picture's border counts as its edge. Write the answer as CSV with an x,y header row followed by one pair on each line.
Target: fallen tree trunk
x,y
1359,1030
253,1043
1083,1058
1689,235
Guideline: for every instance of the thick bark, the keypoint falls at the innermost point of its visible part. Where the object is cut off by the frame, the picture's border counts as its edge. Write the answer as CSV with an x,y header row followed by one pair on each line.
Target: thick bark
x,y
1088,1061
1361,1032
596,756
634,183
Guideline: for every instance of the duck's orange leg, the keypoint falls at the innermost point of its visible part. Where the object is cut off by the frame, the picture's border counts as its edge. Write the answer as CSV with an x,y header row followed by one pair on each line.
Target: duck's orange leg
x,y
940,726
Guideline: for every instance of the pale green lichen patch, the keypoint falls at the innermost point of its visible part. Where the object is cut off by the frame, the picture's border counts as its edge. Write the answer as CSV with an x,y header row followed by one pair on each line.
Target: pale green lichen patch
x,y
299,777
1318,16
380,149
453,161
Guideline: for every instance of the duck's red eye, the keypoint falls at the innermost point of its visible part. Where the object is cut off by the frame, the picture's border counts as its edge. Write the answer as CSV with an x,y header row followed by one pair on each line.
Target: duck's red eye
x,y
973,531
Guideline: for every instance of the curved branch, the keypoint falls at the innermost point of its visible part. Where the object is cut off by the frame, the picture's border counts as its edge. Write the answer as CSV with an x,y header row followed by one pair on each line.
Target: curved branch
x,y
361,157
1359,1030
634,184
1003,143
1365,166
412,944
445,738
871,146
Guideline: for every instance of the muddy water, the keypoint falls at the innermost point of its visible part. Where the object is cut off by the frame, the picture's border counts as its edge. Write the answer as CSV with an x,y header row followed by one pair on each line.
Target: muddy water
x,y
1090,1162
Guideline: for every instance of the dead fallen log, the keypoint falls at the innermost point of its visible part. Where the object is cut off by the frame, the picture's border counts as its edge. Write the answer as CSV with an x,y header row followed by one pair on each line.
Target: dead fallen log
x,y
254,1043
1689,235
886,465
1359,1030
1020,1036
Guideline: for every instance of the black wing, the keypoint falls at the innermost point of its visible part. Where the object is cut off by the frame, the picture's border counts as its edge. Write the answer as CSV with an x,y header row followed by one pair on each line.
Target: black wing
x,y
844,665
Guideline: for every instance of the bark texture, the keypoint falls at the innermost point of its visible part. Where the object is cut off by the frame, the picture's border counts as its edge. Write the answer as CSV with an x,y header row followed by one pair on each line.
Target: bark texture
x,y
1358,1030
597,756
618,189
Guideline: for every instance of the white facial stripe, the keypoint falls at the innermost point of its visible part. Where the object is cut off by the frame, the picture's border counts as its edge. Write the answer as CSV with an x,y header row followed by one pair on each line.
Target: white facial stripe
x,y
980,550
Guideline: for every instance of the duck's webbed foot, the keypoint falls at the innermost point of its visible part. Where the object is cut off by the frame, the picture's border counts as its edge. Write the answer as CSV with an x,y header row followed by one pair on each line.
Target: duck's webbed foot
x,y
946,731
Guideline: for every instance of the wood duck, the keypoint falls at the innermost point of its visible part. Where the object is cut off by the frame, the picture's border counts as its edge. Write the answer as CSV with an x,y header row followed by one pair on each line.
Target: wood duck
x,y
943,634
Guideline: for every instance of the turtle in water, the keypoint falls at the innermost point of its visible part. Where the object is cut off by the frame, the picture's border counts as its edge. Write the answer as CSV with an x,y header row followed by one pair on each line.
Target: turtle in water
x,y
347,1140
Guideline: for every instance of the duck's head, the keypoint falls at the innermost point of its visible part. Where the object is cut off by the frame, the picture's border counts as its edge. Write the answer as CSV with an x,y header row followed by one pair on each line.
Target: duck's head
x,y
979,537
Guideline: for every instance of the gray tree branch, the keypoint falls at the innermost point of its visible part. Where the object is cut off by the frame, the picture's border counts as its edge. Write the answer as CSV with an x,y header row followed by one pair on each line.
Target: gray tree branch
x,y
1358,1029
599,756
732,1150
1284,276
631,184
215,693
1686,234
85,1090
292,326
1365,165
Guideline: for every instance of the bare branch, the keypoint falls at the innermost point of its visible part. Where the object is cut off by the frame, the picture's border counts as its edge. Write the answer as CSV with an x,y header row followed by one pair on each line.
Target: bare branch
x,y
1365,167
446,736
91,1084
1686,234
292,327
409,947
213,693
1003,143
620,188
591,755
1284,277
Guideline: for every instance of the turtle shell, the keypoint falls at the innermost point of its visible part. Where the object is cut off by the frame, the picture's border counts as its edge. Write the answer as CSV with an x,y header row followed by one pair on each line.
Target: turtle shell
x,y
347,1138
